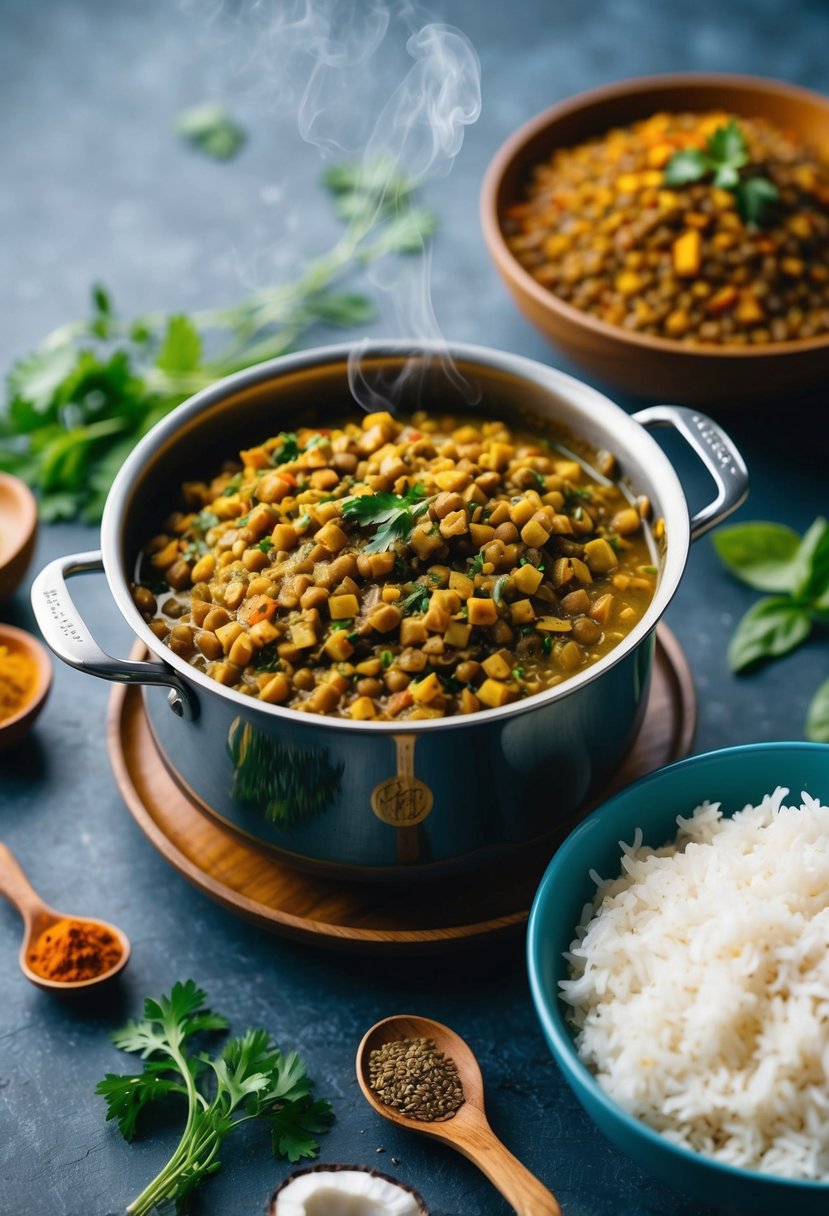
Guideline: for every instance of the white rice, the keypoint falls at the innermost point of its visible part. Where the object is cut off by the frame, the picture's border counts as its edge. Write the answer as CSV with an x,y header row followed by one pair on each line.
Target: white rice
x,y
700,985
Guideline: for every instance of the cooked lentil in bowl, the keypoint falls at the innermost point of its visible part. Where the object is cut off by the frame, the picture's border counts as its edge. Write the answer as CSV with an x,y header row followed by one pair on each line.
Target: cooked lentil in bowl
x,y
400,569
602,229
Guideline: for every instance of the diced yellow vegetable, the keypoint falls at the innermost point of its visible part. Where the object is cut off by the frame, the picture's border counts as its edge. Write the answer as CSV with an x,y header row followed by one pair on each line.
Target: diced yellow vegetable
x,y
227,634
303,635
534,535
527,579
338,646
461,583
493,694
264,632
343,607
426,690
600,556
362,708
457,634
521,612
498,665
332,537
276,690
687,251
481,612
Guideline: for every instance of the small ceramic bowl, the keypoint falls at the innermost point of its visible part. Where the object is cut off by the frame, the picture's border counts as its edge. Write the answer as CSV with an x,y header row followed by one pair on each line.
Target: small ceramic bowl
x,y
18,532
14,728
735,776
641,363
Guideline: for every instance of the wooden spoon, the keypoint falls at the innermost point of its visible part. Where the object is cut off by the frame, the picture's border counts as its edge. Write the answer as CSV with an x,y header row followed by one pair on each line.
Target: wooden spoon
x,y
38,917
467,1130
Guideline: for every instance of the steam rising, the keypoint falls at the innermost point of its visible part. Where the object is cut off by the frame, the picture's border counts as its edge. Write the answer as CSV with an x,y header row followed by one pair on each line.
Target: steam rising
x,y
331,61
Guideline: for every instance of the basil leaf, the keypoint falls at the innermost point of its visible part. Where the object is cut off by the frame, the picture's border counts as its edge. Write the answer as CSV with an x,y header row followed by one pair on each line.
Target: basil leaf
x,y
810,577
770,628
687,166
817,717
759,554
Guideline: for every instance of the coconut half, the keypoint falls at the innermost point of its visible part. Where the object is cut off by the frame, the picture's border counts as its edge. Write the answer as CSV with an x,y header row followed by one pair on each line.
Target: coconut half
x,y
345,1190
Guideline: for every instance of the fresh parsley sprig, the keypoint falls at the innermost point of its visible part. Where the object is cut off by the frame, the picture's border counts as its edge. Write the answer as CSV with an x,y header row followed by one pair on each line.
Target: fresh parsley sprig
x,y
250,1079
395,514
76,406
772,557
724,155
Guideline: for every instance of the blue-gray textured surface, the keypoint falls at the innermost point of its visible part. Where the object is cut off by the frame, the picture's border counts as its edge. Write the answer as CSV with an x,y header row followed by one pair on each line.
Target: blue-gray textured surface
x,y
93,186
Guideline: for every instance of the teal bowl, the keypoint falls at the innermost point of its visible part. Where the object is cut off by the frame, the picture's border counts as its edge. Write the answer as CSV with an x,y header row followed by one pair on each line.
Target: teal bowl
x,y
735,776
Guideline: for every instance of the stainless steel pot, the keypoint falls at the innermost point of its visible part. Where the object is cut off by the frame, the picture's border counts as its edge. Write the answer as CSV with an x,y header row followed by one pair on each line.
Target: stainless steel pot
x,y
383,799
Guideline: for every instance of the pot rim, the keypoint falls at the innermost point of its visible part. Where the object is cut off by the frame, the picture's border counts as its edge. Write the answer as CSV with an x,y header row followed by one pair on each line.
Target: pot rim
x,y
616,423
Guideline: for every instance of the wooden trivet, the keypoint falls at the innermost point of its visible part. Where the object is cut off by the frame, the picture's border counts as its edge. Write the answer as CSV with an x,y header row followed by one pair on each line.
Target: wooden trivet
x,y
440,914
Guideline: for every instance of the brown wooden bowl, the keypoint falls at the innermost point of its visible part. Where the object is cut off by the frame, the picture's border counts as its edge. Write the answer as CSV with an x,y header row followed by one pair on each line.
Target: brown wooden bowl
x,y
18,532
639,363
14,728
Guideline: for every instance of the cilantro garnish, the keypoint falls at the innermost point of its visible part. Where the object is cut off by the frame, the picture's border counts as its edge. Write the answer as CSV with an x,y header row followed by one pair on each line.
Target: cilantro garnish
x,y
249,1079
547,644
205,520
289,448
416,601
265,545
724,155
396,515
476,566
194,550
386,658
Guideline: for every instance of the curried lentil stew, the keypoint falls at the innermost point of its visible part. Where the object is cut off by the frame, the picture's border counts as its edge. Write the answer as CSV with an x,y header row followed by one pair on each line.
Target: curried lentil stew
x,y
700,228
395,569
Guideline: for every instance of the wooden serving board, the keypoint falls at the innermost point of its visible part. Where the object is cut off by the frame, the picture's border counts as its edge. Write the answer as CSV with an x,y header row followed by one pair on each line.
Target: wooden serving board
x,y
437,915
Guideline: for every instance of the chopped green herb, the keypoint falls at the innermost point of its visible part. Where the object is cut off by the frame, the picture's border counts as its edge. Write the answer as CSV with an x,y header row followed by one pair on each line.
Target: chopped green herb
x,y
476,565
268,659
518,672
242,520
396,515
540,479
416,601
386,658
194,550
525,561
205,520
288,450
498,589
725,154
265,545
232,486
547,644
335,625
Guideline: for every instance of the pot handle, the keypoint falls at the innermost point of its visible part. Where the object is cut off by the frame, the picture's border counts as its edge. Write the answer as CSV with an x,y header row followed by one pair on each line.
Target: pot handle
x,y
717,452
66,634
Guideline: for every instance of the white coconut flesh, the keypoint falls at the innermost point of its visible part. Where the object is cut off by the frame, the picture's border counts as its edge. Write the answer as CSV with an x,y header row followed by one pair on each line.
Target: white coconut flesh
x,y
345,1192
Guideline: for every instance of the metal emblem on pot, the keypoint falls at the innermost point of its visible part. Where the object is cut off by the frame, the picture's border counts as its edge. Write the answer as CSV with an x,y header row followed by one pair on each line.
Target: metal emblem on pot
x,y
403,800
